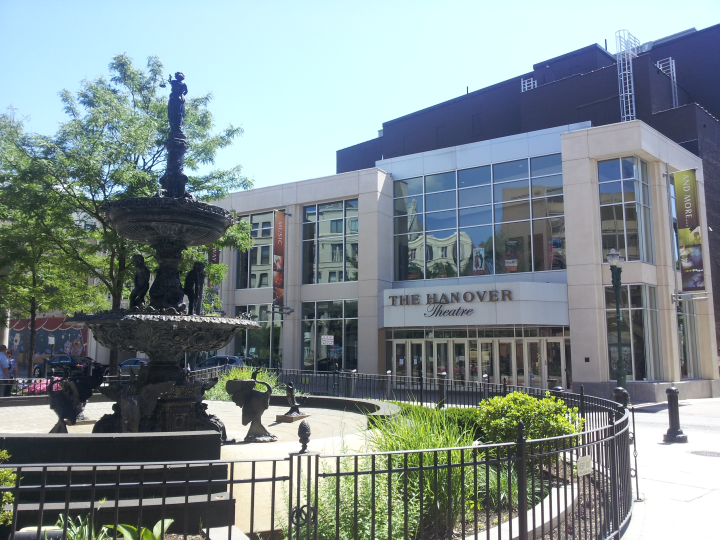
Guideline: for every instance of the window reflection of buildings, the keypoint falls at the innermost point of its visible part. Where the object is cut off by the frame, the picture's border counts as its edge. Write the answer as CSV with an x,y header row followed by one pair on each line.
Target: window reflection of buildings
x,y
253,268
330,242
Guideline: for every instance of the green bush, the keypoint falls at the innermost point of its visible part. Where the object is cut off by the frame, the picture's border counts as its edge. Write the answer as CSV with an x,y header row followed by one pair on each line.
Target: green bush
x,y
548,417
7,479
466,419
218,392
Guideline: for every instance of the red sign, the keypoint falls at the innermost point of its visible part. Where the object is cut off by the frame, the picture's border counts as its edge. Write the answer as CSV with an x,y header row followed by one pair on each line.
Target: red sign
x,y
279,259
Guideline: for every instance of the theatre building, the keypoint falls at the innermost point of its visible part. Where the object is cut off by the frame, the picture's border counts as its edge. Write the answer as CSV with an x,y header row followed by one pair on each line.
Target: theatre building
x,y
485,256
485,261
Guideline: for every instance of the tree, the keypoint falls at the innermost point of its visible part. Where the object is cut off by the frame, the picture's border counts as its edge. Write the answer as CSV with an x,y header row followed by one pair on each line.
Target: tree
x,y
35,278
113,147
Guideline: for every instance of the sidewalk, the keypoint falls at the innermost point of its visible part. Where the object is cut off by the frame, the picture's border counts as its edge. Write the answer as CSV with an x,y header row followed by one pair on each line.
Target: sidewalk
x,y
679,486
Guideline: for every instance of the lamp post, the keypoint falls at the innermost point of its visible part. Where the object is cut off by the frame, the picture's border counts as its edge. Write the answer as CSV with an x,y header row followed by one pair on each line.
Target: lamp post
x,y
615,261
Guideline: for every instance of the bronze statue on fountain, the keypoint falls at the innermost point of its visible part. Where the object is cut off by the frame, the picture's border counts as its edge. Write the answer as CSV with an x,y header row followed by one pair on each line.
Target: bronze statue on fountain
x,y
161,398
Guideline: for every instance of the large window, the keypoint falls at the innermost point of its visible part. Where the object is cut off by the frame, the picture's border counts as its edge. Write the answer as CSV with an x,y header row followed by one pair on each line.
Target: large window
x,y
625,214
638,331
254,343
329,335
253,268
497,219
330,242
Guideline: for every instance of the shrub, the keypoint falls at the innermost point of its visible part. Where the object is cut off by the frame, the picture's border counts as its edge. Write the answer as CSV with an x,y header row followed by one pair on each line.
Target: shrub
x,y
218,392
466,419
548,417
7,479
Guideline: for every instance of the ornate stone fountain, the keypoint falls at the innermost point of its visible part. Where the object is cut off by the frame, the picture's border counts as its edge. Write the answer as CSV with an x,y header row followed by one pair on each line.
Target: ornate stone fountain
x,y
161,398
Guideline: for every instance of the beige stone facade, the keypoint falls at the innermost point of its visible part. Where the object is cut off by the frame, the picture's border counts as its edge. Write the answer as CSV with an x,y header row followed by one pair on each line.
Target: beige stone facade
x,y
572,298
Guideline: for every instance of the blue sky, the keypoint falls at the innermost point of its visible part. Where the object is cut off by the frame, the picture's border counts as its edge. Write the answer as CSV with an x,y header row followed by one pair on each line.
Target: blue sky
x,y
305,79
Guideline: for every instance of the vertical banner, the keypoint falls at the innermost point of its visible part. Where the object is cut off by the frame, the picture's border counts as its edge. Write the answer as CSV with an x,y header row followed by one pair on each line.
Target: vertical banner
x,y
687,208
279,258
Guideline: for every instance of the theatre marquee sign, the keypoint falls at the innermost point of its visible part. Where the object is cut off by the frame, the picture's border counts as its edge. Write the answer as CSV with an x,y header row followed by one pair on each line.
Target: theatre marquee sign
x,y
502,303
441,304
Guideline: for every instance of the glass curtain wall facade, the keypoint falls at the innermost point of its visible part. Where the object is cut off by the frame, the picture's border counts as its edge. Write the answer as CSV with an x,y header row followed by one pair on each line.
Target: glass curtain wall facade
x,y
329,335
496,219
625,212
255,343
253,268
330,242
638,331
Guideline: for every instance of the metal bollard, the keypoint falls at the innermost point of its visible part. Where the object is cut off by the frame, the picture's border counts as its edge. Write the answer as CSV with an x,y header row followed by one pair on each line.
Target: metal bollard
x,y
621,396
557,391
674,433
442,380
388,384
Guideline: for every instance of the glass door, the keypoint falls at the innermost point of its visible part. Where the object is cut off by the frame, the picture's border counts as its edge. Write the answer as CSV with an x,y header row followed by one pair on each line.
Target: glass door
x,y
473,360
429,366
459,362
416,358
441,357
505,360
487,361
519,363
399,362
535,365
555,363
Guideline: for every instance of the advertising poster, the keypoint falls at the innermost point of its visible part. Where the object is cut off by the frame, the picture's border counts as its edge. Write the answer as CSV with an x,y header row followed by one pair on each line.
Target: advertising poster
x,y
478,255
689,235
69,339
511,256
279,259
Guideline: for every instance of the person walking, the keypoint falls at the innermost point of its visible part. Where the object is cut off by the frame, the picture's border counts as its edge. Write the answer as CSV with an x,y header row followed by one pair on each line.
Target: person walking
x,y
4,372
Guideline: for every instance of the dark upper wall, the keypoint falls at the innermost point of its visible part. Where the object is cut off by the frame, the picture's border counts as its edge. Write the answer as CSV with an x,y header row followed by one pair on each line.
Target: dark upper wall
x,y
489,113
697,65
575,87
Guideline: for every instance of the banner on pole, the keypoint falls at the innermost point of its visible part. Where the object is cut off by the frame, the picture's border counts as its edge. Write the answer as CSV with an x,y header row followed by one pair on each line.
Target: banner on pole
x,y
279,258
690,239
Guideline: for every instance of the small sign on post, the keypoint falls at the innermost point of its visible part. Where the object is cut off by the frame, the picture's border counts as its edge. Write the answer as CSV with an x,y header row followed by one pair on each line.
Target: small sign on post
x,y
584,465
327,340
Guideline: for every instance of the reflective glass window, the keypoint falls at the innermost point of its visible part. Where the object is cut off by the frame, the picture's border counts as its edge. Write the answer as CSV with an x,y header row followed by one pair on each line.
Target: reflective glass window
x,y
408,187
547,185
408,205
409,253
476,251
474,196
609,170
513,170
479,215
440,201
407,224
441,254
512,211
512,245
511,191
549,244
440,220
474,177
544,165
440,182
548,207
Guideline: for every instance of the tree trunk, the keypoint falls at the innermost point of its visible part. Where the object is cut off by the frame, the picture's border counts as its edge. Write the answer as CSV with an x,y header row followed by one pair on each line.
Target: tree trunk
x,y
33,332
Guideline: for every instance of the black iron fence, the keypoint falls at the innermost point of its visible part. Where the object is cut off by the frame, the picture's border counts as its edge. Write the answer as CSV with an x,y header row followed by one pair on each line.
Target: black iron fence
x,y
576,486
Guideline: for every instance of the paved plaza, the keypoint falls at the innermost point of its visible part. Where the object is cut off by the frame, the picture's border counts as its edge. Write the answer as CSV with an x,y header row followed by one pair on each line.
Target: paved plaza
x,y
680,486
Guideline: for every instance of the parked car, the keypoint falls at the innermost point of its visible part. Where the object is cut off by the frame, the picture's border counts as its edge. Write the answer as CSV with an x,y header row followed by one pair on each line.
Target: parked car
x,y
132,365
223,362
65,365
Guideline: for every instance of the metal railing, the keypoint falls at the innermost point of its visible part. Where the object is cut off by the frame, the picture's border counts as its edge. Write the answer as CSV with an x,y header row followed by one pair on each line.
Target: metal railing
x,y
575,486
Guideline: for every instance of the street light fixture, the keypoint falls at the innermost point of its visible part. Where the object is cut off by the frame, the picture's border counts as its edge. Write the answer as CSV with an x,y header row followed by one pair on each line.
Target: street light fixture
x,y
616,261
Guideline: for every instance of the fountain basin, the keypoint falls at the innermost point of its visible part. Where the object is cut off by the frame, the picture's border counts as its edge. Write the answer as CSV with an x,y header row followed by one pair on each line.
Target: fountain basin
x,y
158,220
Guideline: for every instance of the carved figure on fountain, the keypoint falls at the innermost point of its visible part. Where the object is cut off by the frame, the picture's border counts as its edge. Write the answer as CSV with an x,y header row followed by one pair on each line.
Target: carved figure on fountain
x,y
253,403
194,285
141,282
174,180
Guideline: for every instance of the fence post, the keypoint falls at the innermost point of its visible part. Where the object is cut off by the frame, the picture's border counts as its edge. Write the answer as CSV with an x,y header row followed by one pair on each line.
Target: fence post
x,y
522,481
614,477
504,386
388,384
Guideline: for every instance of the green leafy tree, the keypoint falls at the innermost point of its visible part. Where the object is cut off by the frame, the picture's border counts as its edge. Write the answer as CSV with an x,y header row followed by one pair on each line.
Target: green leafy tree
x,y
35,278
113,146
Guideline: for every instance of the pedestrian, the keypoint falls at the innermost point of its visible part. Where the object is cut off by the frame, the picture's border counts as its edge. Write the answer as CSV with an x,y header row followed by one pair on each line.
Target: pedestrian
x,y
4,372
